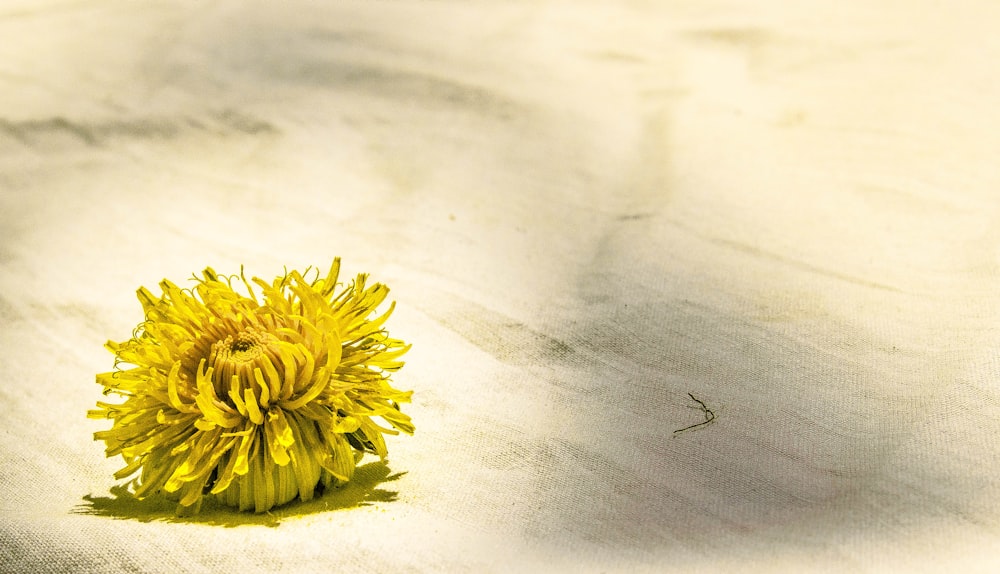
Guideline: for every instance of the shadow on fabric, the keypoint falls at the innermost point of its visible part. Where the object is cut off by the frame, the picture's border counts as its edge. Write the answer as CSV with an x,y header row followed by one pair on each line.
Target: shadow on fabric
x,y
362,490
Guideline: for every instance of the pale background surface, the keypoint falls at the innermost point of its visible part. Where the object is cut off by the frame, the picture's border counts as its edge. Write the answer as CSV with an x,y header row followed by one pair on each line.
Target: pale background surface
x,y
585,211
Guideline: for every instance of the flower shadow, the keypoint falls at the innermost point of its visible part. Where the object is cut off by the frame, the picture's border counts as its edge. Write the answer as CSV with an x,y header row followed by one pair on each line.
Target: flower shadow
x,y
362,490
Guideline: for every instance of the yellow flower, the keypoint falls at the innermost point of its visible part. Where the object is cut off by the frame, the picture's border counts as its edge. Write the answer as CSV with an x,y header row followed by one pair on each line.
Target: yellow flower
x,y
253,400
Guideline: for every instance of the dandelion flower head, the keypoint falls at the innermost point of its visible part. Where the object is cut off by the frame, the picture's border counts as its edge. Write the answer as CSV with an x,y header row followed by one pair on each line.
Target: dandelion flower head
x,y
253,392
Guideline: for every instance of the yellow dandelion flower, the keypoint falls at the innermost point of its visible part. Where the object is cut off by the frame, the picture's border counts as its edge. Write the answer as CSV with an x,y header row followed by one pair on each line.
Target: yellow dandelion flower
x,y
253,400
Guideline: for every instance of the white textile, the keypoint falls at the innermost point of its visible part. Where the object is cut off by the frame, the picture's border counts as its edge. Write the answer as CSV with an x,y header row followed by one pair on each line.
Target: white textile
x,y
586,211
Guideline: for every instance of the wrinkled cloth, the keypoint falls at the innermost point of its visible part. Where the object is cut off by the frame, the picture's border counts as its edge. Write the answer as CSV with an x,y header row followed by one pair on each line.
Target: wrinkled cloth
x,y
602,223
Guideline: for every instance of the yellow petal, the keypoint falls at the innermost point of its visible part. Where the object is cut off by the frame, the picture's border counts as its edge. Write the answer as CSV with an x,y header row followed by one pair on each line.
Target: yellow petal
x,y
279,436
253,409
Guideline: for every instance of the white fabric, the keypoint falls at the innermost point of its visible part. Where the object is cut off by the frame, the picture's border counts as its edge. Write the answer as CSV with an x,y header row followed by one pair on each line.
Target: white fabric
x,y
585,211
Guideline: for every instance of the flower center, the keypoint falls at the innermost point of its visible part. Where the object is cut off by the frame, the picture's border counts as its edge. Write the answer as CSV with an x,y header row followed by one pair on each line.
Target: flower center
x,y
241,344
240,348
236,357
